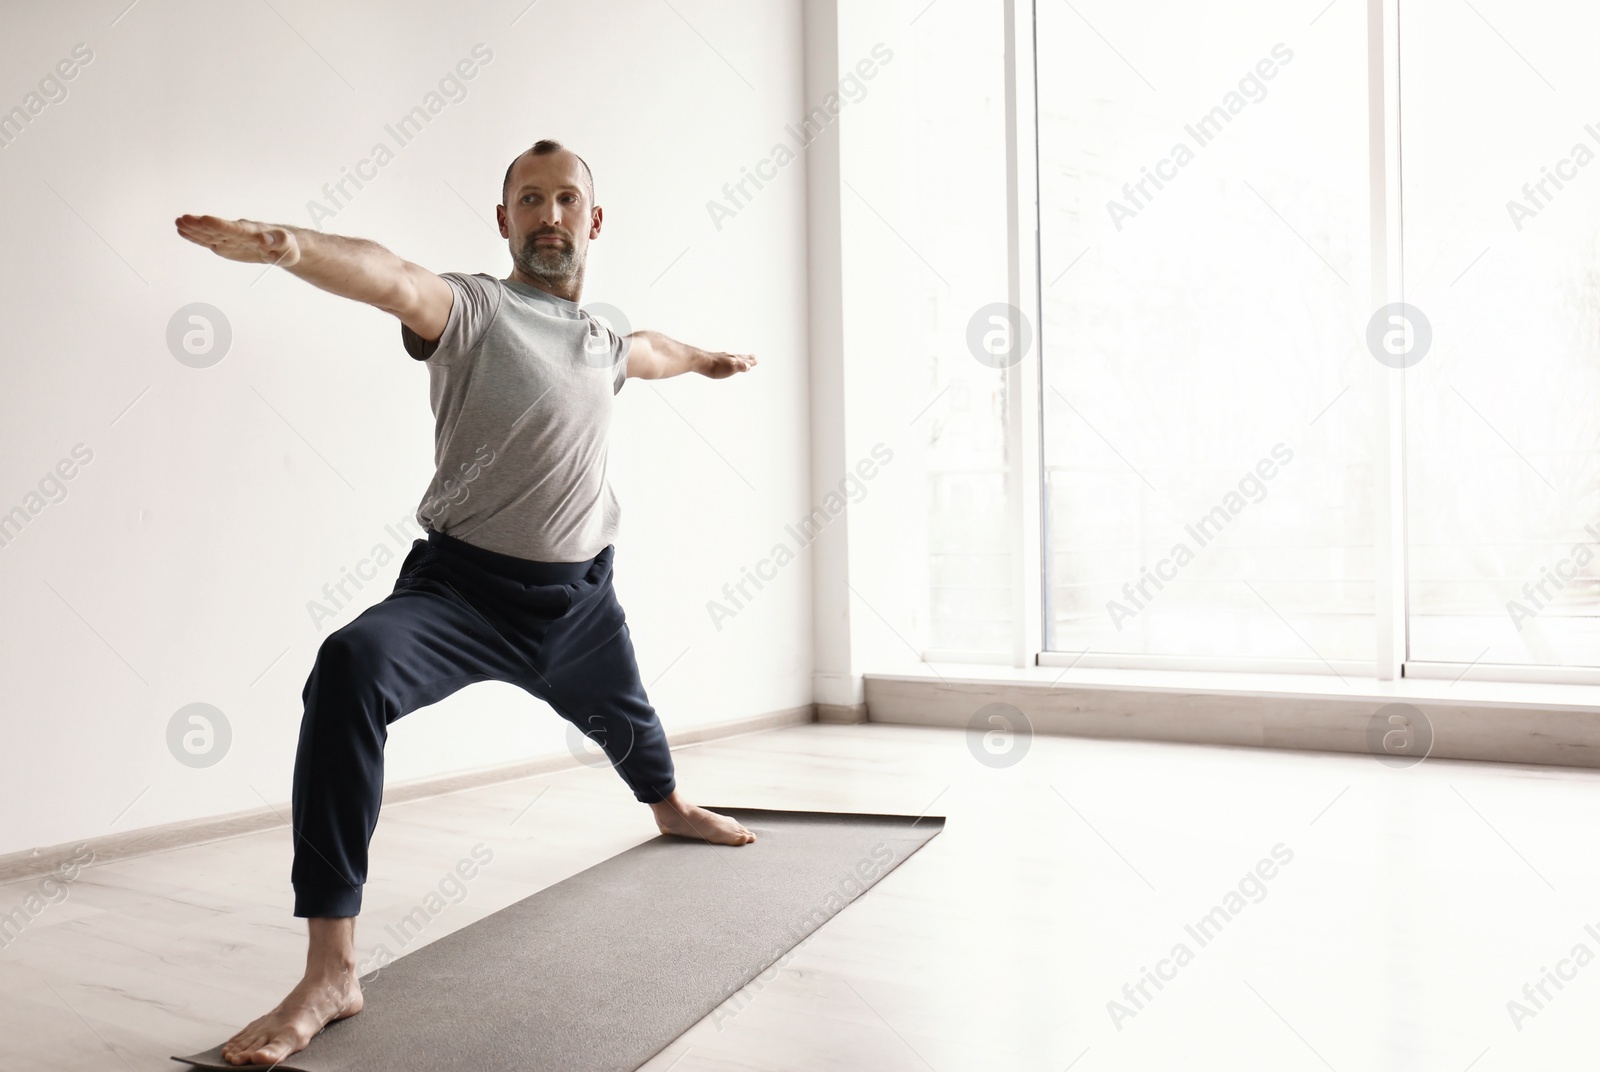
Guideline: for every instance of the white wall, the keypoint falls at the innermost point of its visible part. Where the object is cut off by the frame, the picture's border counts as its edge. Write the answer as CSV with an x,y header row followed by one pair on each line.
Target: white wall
x,y
220,500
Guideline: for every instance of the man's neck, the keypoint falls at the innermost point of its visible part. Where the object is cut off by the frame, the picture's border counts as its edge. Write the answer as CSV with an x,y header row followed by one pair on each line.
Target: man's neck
x,y
570,292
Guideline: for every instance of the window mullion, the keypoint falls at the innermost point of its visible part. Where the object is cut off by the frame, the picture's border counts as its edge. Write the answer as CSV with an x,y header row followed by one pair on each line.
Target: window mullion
x,y
1023,410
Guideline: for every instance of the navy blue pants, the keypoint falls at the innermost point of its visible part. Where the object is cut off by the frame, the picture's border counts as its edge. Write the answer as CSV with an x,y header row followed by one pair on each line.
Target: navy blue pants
x,y
458,614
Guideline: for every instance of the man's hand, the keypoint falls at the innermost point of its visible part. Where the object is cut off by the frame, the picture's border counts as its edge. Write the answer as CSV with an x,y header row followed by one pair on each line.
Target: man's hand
x,y
242,240
720,366
654,356
349,267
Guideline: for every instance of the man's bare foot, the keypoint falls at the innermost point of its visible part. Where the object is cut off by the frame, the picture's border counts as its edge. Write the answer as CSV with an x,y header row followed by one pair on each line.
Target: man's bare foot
x,y
310,1006
677,816
329,991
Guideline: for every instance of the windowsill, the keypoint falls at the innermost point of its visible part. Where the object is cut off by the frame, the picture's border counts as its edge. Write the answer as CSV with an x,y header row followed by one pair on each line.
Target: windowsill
x,y
1545,696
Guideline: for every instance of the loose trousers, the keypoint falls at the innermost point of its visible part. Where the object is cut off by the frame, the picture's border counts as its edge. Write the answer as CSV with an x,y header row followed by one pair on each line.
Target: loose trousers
x,y
458,614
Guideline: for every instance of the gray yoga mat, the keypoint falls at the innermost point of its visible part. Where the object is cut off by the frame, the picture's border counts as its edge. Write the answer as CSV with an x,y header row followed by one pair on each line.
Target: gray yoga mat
x,y
601,971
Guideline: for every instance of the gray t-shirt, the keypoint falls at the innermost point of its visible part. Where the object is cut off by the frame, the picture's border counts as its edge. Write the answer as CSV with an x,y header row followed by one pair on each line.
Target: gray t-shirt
x,y
521,384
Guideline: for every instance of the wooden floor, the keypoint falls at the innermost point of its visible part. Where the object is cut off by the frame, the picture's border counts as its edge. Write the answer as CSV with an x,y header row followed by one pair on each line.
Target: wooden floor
x,y
1414,906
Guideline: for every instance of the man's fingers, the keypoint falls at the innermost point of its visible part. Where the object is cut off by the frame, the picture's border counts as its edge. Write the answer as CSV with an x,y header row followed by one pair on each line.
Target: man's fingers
x,y
732,364
239,240
213,227
736,363
198,233
204,224
207,230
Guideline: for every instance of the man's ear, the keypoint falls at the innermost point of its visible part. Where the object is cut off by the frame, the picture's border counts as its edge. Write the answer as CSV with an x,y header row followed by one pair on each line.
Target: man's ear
x,y
594,223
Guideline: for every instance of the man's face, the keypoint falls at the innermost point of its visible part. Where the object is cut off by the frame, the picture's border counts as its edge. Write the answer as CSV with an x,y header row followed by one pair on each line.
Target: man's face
x,y
547,218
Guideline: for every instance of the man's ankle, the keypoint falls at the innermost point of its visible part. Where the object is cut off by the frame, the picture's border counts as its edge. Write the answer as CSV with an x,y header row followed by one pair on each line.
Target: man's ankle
x,y
672,802
331,962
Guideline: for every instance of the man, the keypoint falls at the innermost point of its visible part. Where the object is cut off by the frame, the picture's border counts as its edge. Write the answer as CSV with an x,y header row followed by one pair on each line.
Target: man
x,y
514,580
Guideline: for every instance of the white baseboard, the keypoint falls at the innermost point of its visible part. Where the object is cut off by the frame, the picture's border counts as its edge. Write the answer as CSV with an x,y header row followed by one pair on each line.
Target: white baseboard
x,y
153,839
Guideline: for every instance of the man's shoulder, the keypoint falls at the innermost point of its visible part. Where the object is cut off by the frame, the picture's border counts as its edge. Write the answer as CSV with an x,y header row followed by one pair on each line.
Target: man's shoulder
x,y
481,280
482,290
478,299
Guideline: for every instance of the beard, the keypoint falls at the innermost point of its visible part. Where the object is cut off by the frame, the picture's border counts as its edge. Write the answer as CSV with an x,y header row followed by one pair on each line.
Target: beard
x,y
556,265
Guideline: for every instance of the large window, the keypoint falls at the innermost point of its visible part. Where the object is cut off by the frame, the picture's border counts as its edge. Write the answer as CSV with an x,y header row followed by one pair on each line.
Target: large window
x,y
1248,460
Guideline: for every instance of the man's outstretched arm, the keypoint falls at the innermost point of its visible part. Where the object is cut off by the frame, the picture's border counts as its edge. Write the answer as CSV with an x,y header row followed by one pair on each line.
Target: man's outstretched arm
x,y
653,356
349,267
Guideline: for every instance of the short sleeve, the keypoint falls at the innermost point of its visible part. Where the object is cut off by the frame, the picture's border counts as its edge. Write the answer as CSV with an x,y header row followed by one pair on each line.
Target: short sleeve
x,y
620,345
476,300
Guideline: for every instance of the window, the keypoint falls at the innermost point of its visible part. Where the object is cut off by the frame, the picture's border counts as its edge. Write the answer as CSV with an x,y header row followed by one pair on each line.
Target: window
x,y
1502,241
1221,401
1207,403
958,177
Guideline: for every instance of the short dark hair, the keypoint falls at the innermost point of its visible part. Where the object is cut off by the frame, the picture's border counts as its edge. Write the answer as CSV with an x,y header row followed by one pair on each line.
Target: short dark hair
x,y
543,147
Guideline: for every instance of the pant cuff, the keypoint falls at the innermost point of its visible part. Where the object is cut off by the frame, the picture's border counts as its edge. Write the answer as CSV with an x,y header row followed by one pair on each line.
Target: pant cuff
x,y
327,901
653,795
